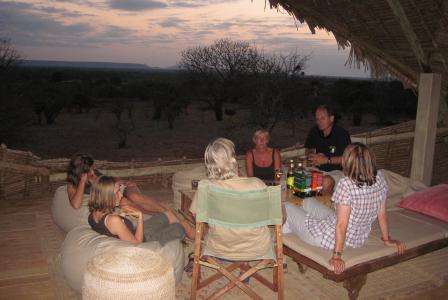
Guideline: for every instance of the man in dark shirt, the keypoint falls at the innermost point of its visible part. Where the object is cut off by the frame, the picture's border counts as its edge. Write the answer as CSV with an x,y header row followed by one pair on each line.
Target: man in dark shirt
x,y
330,141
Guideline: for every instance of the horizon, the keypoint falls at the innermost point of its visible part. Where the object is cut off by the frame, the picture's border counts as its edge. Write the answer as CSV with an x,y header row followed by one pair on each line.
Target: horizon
x,y
155,32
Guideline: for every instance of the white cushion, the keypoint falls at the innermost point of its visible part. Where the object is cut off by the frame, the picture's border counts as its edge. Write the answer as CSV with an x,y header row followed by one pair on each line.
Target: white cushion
x,y
411,228
82,243
64,215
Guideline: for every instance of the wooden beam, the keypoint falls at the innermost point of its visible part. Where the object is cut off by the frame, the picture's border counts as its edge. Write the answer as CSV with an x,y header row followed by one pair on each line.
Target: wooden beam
x,y
426,127
410,35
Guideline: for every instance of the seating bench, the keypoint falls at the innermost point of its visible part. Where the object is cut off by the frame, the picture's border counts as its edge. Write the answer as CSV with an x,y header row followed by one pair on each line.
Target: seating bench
x,y
420,233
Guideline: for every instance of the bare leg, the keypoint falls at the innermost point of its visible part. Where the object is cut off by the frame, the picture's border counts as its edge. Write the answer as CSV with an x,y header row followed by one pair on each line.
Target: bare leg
x,y
145,203
328,185
190,231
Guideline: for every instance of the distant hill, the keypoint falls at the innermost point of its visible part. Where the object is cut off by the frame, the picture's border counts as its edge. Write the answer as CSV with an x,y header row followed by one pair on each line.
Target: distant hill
x,y
85,65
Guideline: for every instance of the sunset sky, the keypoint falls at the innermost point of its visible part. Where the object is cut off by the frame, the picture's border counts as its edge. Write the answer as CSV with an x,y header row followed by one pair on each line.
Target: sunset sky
x,y
155,32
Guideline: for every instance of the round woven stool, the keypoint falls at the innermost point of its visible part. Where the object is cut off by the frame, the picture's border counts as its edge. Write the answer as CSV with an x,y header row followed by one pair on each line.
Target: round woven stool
x,y
128,273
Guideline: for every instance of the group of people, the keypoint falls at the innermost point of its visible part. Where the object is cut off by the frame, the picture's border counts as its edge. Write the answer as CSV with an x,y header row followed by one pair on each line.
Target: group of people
x,y
359,193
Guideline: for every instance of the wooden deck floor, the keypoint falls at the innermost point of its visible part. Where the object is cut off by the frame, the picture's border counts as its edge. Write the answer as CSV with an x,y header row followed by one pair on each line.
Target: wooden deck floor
x,y
30,243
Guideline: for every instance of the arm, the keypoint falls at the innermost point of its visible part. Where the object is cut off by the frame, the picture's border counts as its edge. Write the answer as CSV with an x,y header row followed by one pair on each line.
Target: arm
x,y
321,159
277,159
382,220
249,164
75,194
343,217
116,226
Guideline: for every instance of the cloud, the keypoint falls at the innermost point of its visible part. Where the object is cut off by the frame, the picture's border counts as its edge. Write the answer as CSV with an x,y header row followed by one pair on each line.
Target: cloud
x,y
173,22
26,27
197,3
63,12
136,5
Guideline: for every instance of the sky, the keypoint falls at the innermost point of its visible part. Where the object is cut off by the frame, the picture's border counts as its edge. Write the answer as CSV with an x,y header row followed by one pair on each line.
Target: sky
x,y
155,32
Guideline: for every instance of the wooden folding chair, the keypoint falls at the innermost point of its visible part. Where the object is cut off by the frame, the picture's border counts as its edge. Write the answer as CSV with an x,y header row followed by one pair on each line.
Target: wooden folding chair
x,y
234,209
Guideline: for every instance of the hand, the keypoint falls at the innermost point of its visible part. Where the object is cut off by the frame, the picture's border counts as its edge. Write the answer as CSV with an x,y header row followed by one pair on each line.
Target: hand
x,y
131,212
400,246
318,159
338,264
84,177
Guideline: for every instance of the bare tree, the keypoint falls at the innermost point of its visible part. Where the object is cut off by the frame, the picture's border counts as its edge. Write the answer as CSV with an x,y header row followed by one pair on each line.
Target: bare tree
x,y
273,86
9,56
219,67
12,113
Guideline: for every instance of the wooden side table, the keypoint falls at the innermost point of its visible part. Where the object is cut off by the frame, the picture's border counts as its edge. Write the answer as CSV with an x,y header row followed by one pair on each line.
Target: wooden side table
x,y
185,203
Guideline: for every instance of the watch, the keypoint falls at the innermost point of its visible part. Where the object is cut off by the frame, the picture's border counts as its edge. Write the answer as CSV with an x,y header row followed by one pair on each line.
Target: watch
x,y
329,160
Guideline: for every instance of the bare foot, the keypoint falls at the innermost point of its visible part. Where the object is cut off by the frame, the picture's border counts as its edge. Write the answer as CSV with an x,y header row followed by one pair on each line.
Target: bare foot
x,y
172,218
190,231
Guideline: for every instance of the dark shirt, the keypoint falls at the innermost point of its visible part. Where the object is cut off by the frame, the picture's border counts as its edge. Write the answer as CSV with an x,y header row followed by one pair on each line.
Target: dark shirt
x,y
101,228
332,145
264,173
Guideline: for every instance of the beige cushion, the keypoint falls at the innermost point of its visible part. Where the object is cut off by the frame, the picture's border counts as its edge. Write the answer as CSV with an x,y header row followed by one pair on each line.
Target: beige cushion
x,y
82,243
64,215
399,187
182,181
411,228
129,273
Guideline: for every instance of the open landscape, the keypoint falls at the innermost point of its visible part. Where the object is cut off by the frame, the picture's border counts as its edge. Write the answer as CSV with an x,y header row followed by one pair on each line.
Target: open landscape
x,y
151,140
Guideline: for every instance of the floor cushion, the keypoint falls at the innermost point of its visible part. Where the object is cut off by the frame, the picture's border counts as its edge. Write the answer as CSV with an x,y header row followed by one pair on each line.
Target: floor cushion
x,y
82,243
129,273
64,215
182,181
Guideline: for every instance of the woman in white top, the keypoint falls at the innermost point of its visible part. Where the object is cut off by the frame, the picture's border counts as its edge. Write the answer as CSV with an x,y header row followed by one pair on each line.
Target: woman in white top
x,y
360,198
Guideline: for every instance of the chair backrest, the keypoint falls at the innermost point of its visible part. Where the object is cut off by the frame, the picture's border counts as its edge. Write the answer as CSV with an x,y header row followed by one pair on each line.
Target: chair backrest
x,y
231,208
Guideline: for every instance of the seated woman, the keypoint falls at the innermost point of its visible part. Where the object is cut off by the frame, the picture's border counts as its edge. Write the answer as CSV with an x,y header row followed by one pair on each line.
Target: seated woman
x,y
360,197
222,169
262,161
106,195
81,174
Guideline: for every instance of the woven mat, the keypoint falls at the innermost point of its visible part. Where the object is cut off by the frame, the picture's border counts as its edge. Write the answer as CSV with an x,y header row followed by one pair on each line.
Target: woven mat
x,y
31,243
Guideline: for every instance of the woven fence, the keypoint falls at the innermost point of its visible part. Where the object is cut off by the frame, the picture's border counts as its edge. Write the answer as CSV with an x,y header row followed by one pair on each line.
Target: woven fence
x,y
23,174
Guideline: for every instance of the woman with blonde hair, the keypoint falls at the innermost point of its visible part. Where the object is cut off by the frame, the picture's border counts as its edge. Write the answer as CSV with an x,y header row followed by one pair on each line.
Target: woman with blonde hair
x,y
222,168
262,161
359,197
106,195
81,174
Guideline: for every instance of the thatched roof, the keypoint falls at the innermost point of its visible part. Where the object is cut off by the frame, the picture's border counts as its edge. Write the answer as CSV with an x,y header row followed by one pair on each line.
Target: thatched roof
x,y
401,37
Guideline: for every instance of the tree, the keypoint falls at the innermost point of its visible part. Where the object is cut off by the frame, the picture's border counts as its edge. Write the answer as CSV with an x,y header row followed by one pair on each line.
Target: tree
x,y
9,56
219,67
273,94
12,113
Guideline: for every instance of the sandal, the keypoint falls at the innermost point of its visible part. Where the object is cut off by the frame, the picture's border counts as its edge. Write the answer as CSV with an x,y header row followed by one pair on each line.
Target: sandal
x,y
189,267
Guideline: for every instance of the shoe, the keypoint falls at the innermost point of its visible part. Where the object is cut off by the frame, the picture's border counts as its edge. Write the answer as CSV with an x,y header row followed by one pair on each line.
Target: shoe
x,y
189,267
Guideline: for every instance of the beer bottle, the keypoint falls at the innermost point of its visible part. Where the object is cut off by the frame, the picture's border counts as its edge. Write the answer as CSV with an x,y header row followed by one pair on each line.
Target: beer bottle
x,y
290,175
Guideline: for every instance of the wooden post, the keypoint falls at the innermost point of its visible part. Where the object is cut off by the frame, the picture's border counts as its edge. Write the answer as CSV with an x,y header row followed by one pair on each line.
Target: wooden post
x,y
429,94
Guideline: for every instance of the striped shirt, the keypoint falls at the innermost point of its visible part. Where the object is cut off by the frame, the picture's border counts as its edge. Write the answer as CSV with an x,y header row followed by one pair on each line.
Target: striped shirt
x,y
365,203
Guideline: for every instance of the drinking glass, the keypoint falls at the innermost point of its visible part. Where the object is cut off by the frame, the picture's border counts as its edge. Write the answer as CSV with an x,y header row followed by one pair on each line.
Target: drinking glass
x,y
309,153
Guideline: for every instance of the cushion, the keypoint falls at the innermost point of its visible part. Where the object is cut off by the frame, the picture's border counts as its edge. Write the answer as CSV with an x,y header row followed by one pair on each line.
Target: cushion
x,y
431,202
409,227
399,187
64,215
82,243
182,181
129,273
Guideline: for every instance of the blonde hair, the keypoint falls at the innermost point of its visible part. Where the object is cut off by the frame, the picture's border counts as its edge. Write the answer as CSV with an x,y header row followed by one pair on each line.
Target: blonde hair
x,y
359,164
261,132
102,196
220,159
